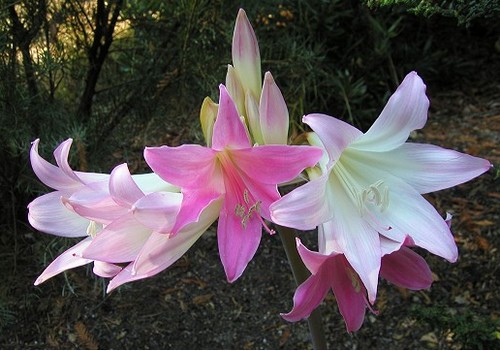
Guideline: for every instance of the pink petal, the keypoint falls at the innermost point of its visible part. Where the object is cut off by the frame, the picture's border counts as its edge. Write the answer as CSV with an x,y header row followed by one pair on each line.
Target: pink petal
x,y
70,258
187,166
229,130
312,260
348,290
275,164
120,241
122,187
61,154
192,207
305,207
49,174
246,54
407,269
335,134
238,240
94,205
405,111
48,214
274,118
431,168
106,270
158,211
308,296
161,251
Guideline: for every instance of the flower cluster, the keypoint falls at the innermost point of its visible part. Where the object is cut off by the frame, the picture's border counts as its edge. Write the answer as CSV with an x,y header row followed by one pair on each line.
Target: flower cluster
x,y
364,194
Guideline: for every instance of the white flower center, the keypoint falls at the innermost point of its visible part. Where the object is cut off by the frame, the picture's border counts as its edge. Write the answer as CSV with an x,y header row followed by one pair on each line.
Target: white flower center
x,y
371,201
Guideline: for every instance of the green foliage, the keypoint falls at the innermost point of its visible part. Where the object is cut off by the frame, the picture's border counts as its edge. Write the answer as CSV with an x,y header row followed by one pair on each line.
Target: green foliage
x,y
469,329
465,11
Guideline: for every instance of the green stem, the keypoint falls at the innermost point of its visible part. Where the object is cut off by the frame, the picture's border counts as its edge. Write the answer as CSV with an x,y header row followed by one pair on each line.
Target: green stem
x,y
300,273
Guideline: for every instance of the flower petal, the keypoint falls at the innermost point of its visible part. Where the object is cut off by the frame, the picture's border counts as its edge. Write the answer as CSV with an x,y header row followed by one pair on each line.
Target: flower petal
x,y
158,211
275,164
312,260
229,130
208,114
308,296
274,118
48,214
238,239
253,118
405,111
406,269
70,258
49,174
335,134
186,166
120,241
151,182
161,251
192,207
355,238
349,292
106,270
426,167
246,54
122,187
235,90
305,207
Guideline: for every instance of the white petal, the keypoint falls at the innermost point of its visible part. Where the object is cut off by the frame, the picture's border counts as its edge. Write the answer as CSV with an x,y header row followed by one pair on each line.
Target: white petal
x,y
405,111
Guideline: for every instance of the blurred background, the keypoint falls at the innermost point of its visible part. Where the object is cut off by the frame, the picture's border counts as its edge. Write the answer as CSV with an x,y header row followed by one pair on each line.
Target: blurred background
x,y
119,75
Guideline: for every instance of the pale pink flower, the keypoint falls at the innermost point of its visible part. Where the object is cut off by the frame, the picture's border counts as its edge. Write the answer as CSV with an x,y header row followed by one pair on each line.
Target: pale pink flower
x,y
370,185
245,176
81,206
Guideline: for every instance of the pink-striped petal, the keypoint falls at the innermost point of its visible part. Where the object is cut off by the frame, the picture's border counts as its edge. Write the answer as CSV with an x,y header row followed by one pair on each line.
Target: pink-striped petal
x,y
229,130
61,154
274,118
405,112
69,259
48,214
312,260
192,207
406,269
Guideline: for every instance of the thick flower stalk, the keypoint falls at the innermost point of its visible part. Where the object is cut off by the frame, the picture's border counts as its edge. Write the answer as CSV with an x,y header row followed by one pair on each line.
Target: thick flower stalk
x,y
245,177
370,184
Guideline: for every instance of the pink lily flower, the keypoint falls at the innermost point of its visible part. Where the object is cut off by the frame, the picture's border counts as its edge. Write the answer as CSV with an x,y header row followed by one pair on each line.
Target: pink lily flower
x,y
48,214
332,271
155,231
80,207
370,185
245,176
